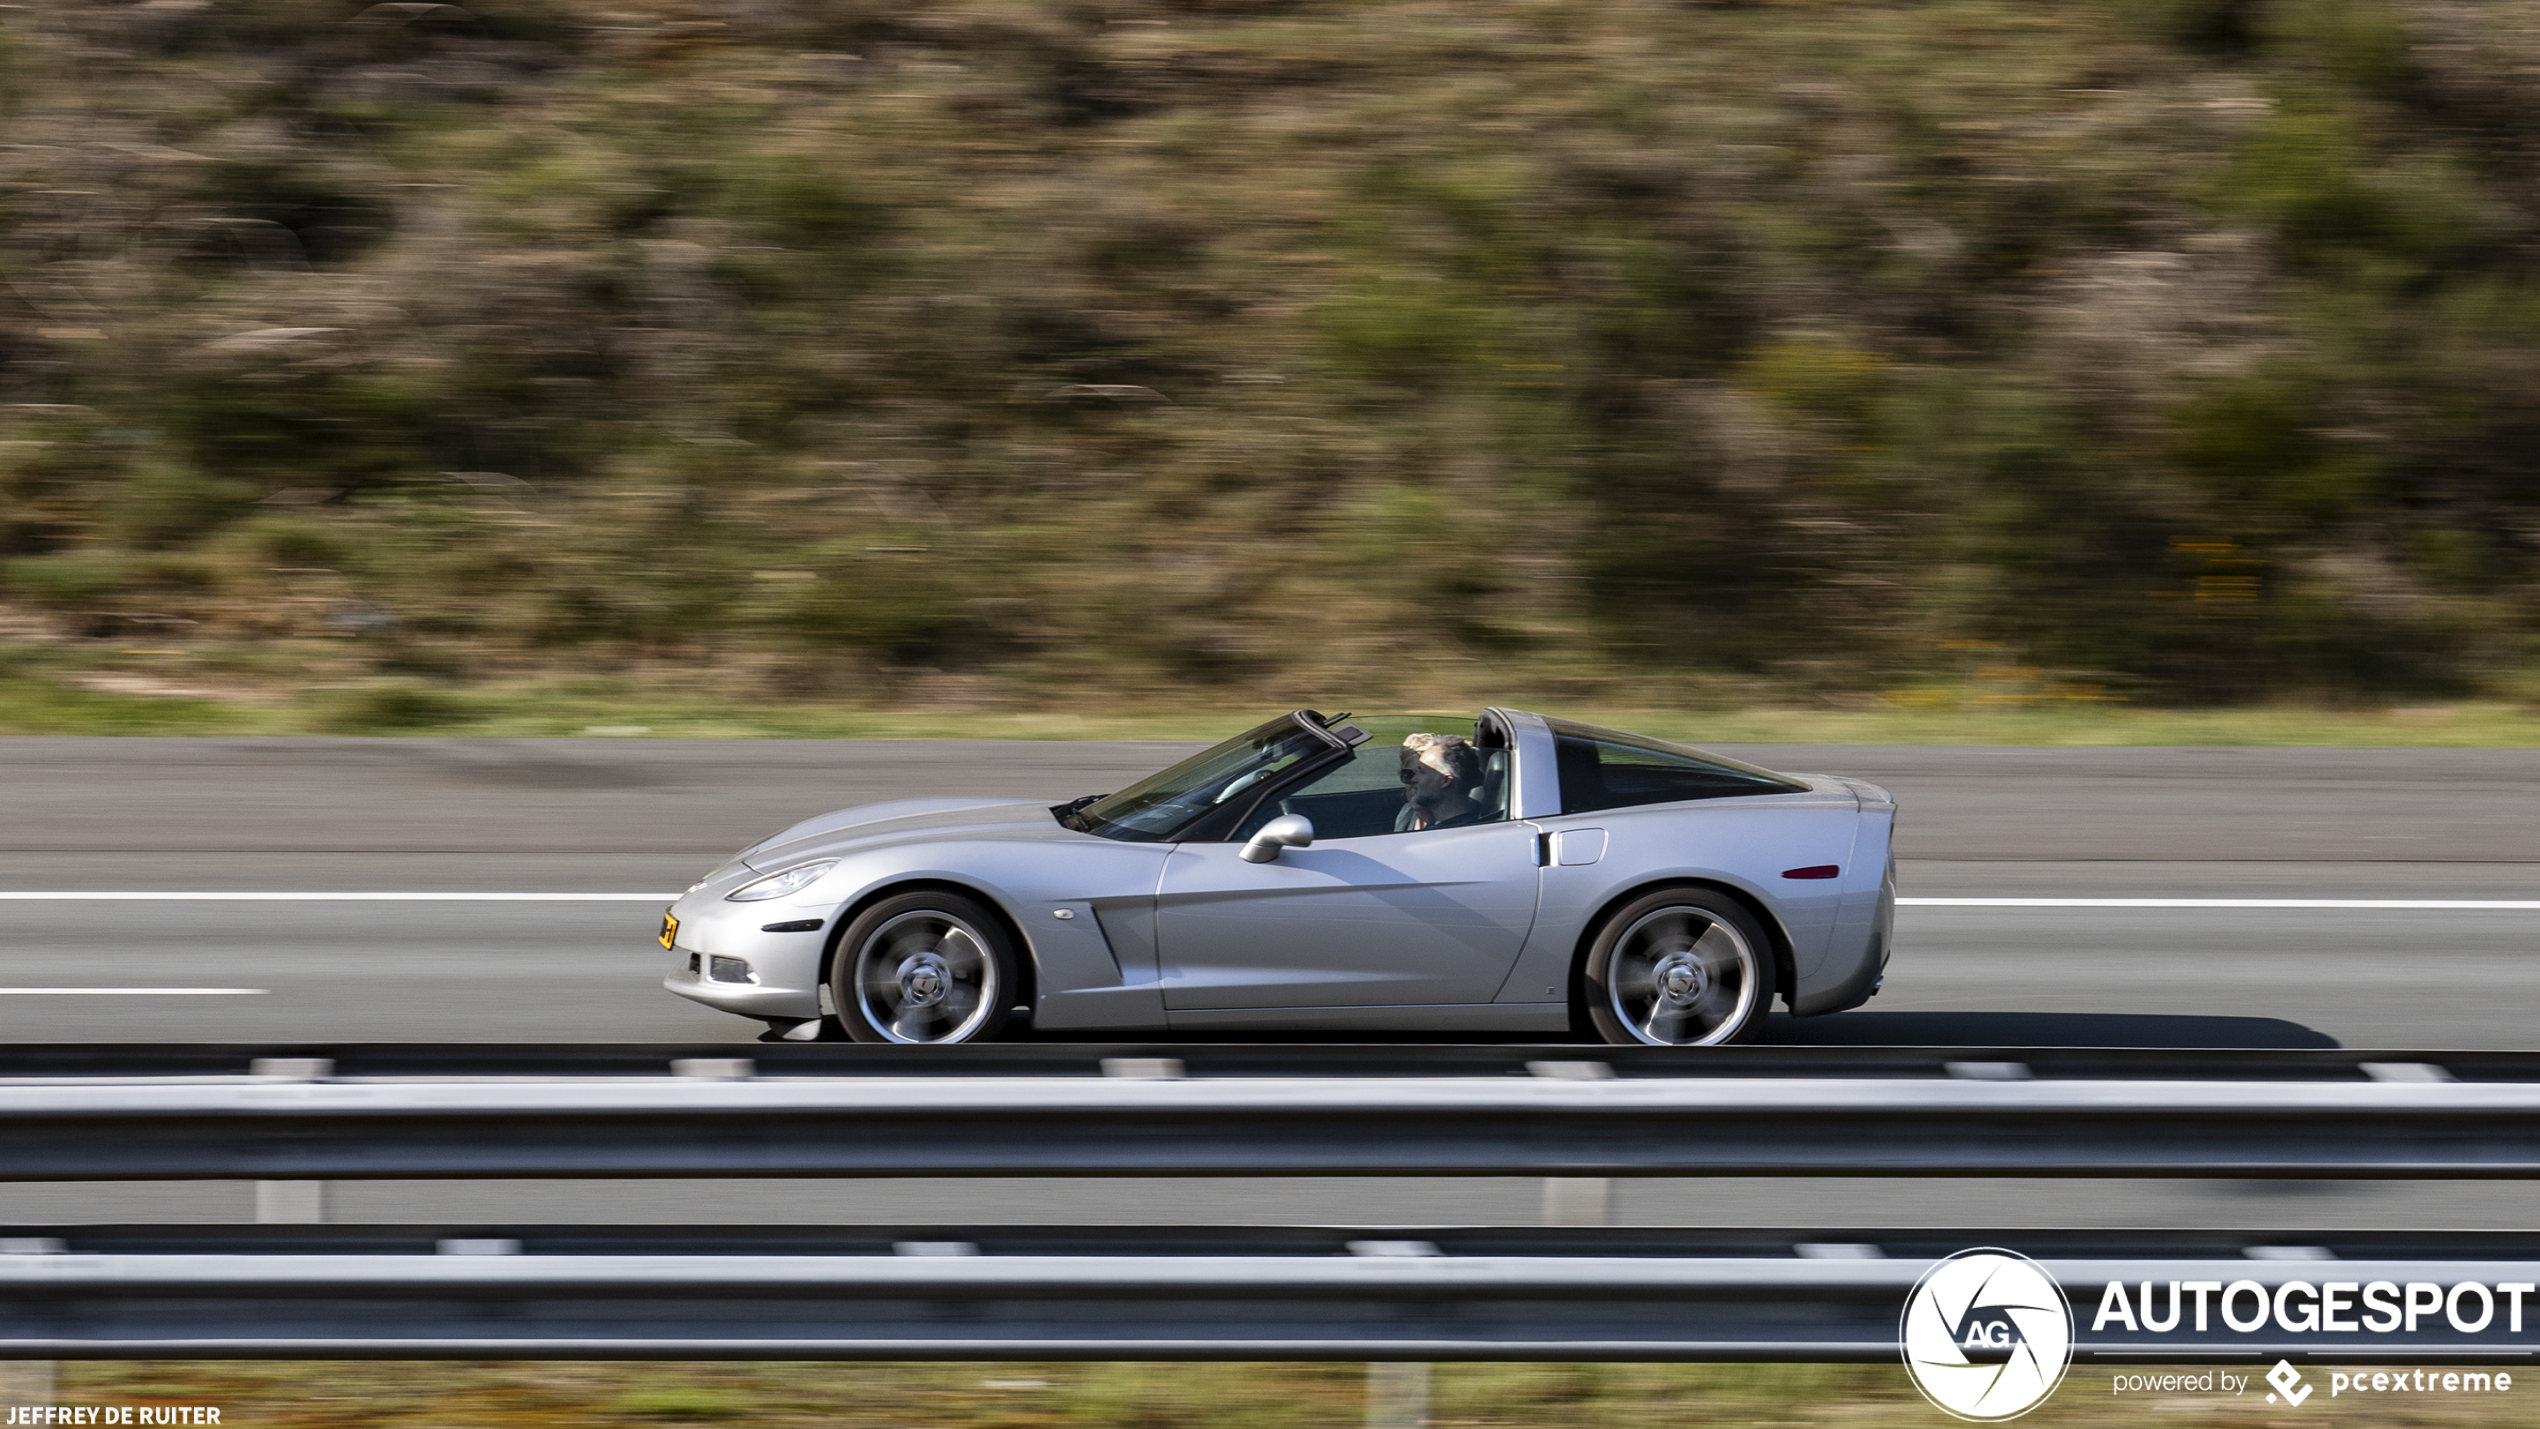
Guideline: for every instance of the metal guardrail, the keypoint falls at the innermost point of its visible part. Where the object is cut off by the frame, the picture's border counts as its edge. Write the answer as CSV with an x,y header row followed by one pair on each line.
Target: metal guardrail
x,y
1107,1293
726,1120
289,1117
1218,1059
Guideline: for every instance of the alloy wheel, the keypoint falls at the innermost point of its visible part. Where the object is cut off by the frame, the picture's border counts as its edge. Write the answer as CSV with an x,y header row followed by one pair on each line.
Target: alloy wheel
x,y
1682,977
925,976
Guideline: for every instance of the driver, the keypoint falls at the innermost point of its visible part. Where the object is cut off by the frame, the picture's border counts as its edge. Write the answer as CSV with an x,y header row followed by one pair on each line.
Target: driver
x,y
1441,782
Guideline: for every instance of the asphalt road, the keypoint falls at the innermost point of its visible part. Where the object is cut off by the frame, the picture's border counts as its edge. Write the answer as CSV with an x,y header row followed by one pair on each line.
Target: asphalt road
x,y
648,815
692,799
638,816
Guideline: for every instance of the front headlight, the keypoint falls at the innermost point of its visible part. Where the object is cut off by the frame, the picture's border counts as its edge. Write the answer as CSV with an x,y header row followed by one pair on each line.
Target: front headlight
x,y
777,885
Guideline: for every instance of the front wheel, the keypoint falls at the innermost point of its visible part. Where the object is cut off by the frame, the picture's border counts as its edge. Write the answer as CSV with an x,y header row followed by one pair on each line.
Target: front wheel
x,y
1682,967
924,968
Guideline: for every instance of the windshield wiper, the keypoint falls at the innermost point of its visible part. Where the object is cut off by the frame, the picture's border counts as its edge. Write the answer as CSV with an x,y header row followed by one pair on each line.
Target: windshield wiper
x,y
1070,817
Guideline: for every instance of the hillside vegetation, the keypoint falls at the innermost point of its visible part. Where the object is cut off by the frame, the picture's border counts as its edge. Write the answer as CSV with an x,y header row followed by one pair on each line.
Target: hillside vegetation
x,y
1006,351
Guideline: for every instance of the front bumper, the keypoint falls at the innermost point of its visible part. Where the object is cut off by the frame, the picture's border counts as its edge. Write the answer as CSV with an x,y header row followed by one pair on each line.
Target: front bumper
x,y
742,998
786,965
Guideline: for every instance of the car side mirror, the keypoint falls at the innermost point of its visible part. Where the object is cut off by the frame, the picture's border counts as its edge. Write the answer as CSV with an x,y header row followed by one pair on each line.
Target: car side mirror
x,y
1285,831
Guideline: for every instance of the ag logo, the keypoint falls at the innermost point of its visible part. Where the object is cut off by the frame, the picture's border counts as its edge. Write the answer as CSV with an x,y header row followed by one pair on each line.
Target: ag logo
x,y
1987,1335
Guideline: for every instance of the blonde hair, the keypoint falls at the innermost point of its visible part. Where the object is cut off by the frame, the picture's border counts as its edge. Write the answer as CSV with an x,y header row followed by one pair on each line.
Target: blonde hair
x,y
1450,754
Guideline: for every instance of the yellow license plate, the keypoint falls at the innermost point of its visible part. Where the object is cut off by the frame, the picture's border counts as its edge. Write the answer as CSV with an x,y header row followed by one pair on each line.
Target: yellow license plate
x,y
669,930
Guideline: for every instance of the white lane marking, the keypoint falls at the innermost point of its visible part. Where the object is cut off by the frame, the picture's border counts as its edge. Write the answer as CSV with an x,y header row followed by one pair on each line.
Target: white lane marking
x,y
2522,905
132,992
124,897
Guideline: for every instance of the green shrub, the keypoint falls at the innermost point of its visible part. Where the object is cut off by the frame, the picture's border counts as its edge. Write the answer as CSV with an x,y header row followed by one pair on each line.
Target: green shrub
x,y
682,1402
2361,43
793,201
2225,27
72,580
2258,442
294,541
163,504
1405,330
390,707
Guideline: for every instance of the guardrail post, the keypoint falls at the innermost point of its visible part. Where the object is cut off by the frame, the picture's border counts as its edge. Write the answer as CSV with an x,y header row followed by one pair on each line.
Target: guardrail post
x,y
1577,1200
1398,1395
290,1203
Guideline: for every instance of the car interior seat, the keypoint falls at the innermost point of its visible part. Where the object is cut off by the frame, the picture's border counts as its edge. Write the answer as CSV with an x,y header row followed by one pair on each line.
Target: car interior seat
x,y
1494,784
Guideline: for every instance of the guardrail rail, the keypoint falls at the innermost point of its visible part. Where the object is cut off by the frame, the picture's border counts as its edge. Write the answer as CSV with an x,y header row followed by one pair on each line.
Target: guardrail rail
x,y
1106,1293
290,1117
313,1118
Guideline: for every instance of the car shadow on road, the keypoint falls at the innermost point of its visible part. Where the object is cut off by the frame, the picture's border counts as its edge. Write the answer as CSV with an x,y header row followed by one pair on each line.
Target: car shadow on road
x,y
2038,1029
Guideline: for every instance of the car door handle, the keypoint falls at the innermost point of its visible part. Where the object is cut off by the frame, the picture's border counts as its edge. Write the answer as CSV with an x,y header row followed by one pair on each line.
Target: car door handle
x,y
1572,847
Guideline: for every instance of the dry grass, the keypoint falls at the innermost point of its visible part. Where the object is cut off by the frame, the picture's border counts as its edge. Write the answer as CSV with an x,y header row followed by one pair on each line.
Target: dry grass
x,y
177,692
392,1395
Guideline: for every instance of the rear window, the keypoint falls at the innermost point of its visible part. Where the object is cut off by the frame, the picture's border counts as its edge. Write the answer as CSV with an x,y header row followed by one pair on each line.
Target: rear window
x,y
1608,769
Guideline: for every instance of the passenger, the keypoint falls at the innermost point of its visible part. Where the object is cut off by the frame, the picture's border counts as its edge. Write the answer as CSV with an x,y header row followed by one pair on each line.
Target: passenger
x,y
1441,782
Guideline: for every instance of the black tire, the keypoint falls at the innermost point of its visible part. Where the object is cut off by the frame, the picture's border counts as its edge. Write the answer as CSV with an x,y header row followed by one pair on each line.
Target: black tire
x,y
1679,967
925,968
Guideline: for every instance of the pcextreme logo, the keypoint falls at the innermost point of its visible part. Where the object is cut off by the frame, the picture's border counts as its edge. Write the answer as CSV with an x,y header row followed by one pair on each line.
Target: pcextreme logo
x,y
1987,1335
2285,1377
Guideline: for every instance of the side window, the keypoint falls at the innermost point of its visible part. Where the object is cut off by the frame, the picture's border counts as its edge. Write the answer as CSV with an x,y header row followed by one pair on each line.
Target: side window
x,y
1606,769
1388,786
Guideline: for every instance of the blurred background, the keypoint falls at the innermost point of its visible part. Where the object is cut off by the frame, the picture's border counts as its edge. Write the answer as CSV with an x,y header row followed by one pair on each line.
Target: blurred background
x,y
993,352
363,366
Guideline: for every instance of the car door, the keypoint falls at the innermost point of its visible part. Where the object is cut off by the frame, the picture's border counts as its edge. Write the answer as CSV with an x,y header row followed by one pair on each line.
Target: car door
x,y
1390,920
1366,917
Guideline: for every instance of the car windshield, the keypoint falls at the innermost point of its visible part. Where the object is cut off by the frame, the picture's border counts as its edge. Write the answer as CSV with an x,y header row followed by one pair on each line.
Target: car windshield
x,y
1157,806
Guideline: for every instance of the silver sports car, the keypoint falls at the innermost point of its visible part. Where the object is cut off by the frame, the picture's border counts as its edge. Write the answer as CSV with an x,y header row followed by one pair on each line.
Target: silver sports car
x,y
1509,874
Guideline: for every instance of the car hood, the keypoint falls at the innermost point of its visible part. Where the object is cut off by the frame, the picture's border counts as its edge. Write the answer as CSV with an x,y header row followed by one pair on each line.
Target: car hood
x,y
903,821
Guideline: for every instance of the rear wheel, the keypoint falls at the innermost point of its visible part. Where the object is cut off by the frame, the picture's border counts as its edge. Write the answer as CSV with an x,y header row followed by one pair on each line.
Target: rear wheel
x,y
1682,967
924,968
